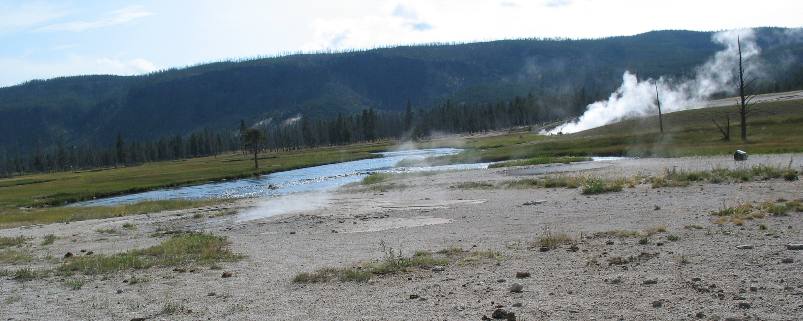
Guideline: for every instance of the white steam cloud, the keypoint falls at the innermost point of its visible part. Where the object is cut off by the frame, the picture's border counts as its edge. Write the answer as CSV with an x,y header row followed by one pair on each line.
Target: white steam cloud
x,y
292,120
636,98
286,204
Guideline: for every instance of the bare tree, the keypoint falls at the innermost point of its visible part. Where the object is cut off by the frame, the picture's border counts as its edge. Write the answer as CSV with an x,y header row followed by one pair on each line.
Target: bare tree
x,y
660,115
744,97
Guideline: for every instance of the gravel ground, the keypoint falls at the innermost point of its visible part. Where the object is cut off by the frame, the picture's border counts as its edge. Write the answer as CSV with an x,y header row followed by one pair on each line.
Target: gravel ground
x,y
701,275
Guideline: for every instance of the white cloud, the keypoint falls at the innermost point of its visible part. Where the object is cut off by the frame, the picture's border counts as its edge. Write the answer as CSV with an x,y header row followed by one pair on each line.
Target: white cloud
x,y
113,18
27,15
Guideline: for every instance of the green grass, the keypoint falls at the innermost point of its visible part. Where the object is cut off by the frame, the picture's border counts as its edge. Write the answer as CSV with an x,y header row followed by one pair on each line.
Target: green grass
x,y
108,230
9,241
74,284
548,182
680,178
473,185
20,217
540,161
22,275
66,187
376,178
185,249
14,256
595,186
49,239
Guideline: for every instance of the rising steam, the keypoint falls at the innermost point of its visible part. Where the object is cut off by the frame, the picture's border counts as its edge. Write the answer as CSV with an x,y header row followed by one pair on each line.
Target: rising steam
x,y
636,97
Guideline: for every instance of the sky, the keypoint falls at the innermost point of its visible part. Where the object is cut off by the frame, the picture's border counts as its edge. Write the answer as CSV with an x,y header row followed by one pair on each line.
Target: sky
x,y
45,39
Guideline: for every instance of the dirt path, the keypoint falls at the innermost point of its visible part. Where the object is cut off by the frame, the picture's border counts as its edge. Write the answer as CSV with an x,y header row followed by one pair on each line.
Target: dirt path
x,y
699,273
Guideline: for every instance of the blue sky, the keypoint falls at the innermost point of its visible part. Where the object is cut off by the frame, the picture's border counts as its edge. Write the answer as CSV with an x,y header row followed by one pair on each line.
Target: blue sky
x,y
44,39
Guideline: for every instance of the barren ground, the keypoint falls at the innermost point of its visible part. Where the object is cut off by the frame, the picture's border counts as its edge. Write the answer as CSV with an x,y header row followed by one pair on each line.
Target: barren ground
x,y
700,275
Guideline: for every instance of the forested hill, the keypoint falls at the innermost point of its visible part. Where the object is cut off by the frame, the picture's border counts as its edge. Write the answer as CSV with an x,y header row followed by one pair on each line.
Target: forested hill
x,y
92,110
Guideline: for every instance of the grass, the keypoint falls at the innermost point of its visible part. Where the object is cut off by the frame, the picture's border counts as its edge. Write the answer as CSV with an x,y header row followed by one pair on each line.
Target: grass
x,y
14,256
473,185
741,213
74,284
590,185
108,230
185,249
376,178
49,239
680,178
540,161
22,275
129,226
21,217
646,233
548,182
551,240
9,241
595,186
60,188
393,262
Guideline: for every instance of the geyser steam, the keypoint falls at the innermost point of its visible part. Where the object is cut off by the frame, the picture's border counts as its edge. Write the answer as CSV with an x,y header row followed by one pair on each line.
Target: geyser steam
x,y
636,98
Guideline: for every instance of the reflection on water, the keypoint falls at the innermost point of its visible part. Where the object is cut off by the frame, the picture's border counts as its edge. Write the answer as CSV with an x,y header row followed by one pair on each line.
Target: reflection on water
x,y
308,179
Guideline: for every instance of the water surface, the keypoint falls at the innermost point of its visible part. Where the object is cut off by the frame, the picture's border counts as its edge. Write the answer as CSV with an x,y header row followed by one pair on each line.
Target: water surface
x,y
310,179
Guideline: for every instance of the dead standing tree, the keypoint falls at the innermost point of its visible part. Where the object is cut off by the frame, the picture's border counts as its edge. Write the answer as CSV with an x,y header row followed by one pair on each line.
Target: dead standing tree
x,y
744,98
660,114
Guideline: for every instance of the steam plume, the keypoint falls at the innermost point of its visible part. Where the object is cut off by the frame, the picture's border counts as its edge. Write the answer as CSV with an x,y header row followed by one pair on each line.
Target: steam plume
x,y
636,98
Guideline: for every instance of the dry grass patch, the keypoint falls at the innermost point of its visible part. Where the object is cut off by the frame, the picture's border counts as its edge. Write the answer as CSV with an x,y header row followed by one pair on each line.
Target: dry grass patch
x,y
679,178
741,213
393,262
9,241
184,249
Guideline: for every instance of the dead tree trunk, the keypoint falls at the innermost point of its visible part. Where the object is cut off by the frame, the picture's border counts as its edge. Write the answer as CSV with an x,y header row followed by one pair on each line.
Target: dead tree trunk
x,y
660,115
742,95
726,132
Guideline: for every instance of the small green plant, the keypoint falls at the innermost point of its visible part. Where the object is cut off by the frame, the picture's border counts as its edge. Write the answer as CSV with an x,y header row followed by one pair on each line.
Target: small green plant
x,y
654,230
790,175
107,230
129,226
74,284
551,240
644,241
376,178
171,308
24,274
673,237
137,279
693,227
49,239
599,186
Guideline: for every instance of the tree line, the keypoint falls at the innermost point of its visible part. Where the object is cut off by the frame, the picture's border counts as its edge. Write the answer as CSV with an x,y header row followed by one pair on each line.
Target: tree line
x,y
294,133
